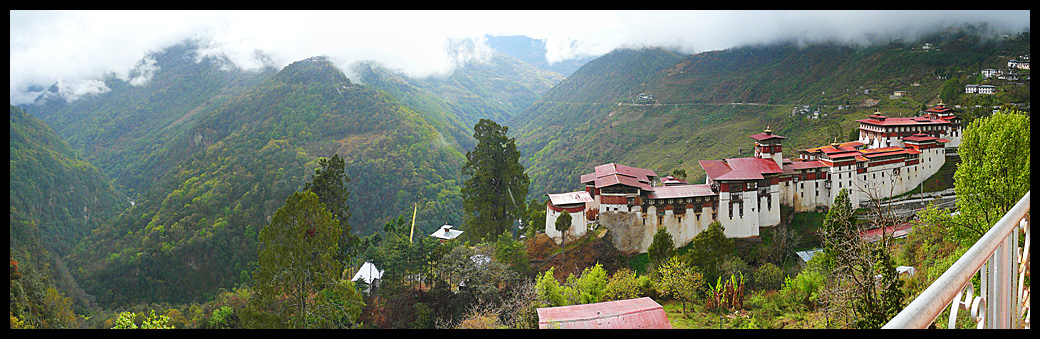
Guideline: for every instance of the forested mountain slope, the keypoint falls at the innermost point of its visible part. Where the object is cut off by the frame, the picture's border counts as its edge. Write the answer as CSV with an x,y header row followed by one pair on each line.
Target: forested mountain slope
x,y
497,88
56,198
130,125
555,135
195,230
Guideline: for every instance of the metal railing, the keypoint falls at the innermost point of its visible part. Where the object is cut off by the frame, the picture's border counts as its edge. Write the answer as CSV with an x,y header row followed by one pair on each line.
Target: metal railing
x,y
1003,300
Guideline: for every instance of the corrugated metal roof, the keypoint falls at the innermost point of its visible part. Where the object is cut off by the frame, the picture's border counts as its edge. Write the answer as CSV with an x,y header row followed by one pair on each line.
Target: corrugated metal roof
x,y
750,168
764,136
900,121
641,313
615,179
714,168
613,174
680,191
806,164
570,198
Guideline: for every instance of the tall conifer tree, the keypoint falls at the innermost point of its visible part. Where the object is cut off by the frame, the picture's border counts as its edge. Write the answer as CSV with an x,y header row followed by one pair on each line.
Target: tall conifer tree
x,y
494,192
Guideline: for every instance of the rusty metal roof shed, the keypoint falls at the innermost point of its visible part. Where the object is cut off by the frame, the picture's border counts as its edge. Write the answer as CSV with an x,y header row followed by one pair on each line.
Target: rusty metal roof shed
x,y
641,313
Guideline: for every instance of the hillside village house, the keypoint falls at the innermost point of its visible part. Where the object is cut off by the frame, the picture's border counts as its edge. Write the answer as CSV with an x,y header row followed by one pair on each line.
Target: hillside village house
x,y
892,156
979,89
1020,64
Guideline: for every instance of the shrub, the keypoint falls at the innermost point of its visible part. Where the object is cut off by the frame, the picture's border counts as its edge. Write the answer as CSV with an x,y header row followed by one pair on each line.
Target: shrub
x,y
625,284
768,277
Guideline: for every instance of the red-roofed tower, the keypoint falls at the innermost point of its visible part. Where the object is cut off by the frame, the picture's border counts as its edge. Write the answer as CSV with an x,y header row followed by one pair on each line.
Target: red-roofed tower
x,y
768,146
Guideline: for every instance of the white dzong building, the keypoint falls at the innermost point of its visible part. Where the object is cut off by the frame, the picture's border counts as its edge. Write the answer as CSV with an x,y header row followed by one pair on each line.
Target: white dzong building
x,y
891,157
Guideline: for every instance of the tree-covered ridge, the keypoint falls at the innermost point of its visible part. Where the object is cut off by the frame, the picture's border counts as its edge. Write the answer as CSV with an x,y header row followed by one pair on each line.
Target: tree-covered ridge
x,y
56,197
195,231
497,88
614,77
131,125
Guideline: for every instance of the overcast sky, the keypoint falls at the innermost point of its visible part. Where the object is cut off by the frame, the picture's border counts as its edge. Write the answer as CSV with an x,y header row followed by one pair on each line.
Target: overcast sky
x,y
76,48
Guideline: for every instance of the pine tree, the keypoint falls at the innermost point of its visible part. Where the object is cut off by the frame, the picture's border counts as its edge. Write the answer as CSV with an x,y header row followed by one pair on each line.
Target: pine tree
x,y
297,262
661,248
493,195
330,185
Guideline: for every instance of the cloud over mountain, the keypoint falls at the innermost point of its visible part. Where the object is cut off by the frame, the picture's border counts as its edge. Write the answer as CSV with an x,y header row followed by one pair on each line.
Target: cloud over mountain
x,y
74,48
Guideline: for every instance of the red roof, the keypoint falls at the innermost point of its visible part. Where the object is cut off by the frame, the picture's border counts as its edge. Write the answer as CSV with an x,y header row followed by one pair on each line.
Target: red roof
x,y
881,150
680,191
919,137
806,164
764,136
898,121
843,155
641,313
613,174
940,108
740,168
848,146
900,150
714,168
895,231
616,179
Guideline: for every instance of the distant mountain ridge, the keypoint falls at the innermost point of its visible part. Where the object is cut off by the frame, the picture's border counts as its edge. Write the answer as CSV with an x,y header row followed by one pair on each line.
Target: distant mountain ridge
x,y
533,51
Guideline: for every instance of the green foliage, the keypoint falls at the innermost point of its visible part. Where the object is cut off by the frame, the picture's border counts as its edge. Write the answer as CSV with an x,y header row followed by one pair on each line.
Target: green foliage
x,y
679,281
34,301
513,253
890,299
589,287
496,182
549,291
400,257
221,318
661,247
125,322
839,228
625,284
297,260
563,223
535,217
709,250
239,161
152,322
329,184
927,246
804,289
768,277
726,294
993,173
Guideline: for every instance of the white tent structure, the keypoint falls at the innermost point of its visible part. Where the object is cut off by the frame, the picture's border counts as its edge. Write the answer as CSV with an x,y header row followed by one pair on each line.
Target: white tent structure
x,y
370,274
445,233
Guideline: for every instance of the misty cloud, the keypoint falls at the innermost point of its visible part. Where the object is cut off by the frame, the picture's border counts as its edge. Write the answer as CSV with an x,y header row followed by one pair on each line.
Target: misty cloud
x,y
75,48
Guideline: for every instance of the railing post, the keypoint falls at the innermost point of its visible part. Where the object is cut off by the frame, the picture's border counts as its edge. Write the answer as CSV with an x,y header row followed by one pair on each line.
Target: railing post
x,y
1001,300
